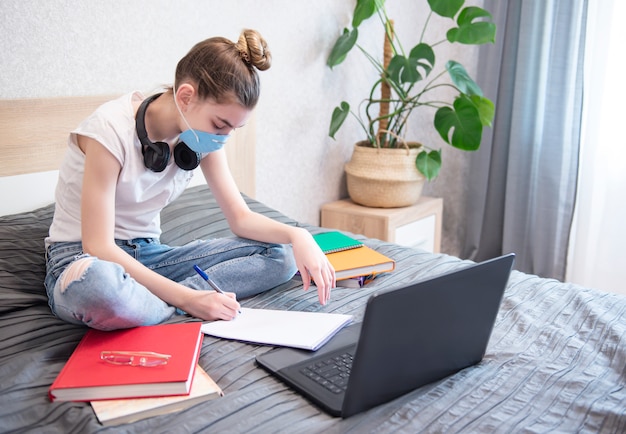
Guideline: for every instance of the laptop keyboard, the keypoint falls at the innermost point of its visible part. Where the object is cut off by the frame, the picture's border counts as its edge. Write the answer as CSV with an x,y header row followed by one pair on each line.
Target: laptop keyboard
x,y
332,373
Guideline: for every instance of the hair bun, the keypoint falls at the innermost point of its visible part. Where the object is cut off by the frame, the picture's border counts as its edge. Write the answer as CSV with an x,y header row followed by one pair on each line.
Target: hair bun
x,y
253,49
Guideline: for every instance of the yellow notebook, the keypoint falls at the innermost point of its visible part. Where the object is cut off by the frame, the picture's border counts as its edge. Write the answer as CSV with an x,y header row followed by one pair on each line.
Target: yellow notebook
x,y
119,411
361,261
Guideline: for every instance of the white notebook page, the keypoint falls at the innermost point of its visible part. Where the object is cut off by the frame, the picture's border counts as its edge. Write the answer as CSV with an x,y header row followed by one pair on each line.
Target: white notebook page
x,y
306,330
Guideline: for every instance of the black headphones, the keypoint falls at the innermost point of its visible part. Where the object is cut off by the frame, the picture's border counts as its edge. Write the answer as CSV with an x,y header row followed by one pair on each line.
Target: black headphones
x,y
156,155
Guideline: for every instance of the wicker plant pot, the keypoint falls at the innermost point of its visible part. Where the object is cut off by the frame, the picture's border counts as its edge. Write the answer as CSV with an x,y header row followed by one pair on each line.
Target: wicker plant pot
x,y
384,178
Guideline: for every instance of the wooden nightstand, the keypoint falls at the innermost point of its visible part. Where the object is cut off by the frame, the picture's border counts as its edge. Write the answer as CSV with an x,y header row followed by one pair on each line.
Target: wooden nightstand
x,y
418,225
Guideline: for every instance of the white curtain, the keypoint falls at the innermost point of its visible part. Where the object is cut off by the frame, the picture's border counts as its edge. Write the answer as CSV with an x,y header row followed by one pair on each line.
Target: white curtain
x,y
597,250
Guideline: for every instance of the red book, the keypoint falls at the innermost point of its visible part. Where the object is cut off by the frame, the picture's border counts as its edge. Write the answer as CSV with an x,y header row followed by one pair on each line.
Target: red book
x,y
86,377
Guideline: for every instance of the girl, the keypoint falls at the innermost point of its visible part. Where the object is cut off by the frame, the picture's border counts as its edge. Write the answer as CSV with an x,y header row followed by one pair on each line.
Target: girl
x,y
105,266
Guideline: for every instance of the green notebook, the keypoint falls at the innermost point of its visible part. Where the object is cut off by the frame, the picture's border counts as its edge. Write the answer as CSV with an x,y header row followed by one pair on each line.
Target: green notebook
x,y
331,242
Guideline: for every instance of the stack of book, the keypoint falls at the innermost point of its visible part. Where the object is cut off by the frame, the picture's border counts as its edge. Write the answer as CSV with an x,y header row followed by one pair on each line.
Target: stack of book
x,y
355,263
118,411
131,374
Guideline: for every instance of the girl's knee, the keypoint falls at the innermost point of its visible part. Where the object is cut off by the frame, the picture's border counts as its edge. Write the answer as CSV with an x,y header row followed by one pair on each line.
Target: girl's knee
x,y
74,272
101,295
90,279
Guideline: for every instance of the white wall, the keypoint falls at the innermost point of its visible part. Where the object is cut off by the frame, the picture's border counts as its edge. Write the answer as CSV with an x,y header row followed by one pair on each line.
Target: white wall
x,y
71,47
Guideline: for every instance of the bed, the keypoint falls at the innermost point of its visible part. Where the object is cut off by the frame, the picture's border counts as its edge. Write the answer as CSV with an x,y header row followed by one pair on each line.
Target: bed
x,y
556,361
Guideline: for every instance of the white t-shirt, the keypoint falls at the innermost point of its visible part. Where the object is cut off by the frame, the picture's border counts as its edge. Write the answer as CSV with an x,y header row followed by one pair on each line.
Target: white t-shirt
x,y
140,192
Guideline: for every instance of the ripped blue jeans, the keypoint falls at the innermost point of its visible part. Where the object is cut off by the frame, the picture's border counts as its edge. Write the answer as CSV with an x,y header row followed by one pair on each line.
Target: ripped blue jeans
x,y
105,297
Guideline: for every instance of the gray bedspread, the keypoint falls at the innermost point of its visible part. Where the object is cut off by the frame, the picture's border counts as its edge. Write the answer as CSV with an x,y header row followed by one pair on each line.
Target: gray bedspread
x,y
556,361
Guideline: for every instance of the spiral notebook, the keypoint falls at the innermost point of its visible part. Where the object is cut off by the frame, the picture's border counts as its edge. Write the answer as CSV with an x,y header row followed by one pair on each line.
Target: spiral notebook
x,y
361,261
332,242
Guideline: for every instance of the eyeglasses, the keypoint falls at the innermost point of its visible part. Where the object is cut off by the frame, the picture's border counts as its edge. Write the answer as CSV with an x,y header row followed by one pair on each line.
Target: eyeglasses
x,y
147,359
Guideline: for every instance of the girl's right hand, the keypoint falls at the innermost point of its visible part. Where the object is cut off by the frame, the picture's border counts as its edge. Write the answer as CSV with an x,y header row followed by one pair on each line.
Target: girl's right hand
x,y
211,305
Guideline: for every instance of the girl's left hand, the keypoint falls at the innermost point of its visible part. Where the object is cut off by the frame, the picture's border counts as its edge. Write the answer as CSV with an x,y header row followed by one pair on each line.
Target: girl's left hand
x,y
313,264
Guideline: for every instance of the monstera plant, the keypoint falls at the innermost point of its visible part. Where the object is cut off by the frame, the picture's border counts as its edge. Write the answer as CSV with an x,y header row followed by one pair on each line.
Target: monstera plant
x,y
407,80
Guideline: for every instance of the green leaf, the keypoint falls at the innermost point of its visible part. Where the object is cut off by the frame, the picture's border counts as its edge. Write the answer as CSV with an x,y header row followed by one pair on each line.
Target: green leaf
x,y
342,47
471,13
339,116
446,8
460,126
429,163
402,70
365,9
486,109
414,68
471,31
462,80
424,57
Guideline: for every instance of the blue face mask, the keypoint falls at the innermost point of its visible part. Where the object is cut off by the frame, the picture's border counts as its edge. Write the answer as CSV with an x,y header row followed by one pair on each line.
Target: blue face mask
x,y
200,141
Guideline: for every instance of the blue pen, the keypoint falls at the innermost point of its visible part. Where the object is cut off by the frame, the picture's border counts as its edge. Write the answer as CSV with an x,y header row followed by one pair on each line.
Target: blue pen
x,y
206,277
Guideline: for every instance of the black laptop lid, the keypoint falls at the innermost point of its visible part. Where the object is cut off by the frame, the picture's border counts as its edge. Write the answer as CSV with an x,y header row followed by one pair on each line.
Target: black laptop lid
x,y
415,335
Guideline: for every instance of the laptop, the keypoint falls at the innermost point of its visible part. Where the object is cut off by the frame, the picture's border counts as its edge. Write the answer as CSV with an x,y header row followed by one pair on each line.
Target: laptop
x,y
409,337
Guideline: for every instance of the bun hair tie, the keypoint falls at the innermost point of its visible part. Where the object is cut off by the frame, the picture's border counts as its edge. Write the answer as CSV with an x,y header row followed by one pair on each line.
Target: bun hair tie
x,y
244,56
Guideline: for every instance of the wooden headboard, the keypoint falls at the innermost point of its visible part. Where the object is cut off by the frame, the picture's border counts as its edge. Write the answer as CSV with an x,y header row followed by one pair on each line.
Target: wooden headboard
x,y
34,132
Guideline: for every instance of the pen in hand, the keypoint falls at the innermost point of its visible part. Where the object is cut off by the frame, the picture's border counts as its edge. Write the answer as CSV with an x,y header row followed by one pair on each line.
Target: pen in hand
x,y
206,277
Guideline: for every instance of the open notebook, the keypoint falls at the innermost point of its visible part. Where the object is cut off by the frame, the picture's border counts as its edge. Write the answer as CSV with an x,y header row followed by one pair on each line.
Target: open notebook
x,y
306,330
